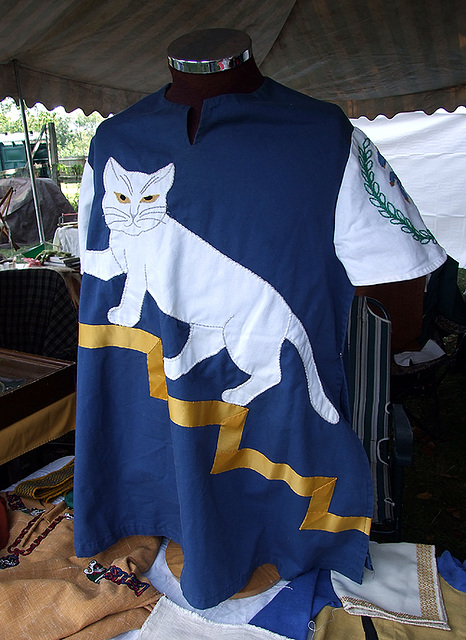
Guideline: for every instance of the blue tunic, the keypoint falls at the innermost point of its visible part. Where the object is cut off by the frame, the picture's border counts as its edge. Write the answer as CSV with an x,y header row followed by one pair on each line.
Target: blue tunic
x,y
239,290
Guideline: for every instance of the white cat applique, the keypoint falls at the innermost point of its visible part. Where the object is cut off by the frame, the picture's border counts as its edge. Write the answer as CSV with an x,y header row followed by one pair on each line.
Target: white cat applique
x,y
241,312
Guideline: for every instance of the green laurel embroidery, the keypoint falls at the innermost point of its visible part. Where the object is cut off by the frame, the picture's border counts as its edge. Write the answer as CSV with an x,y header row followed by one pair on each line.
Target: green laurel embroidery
x,y
381,202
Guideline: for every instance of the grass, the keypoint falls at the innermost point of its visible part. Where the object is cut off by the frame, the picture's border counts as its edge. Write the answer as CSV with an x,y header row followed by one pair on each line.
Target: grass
x,y
71,191
434,497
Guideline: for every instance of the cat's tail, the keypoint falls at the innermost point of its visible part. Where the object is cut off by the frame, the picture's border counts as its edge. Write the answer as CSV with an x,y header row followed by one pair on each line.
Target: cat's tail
x,y
297,335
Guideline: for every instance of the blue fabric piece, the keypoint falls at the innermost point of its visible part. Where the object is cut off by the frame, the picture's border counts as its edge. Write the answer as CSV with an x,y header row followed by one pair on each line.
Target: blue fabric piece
x,y
452,571
290,612
259,186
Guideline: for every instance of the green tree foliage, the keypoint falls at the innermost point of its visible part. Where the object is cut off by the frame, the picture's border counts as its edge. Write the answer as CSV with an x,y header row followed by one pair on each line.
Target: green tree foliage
x,y
74,130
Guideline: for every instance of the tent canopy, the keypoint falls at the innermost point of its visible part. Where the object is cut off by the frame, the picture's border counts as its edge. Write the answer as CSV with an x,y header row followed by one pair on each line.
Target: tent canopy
x,y
368,56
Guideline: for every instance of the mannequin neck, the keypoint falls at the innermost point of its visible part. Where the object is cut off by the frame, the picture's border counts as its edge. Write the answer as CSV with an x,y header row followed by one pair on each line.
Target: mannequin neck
x,y
192,89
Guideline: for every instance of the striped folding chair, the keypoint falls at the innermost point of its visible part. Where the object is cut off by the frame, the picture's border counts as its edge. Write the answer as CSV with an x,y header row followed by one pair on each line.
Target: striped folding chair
x,y
383,429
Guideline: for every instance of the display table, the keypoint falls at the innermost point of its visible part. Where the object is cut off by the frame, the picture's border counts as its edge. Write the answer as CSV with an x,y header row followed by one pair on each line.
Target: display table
x,y
37,401
38,314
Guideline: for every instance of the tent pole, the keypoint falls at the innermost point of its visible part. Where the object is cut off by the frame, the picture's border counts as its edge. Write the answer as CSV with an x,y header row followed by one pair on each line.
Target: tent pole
x,y
27,145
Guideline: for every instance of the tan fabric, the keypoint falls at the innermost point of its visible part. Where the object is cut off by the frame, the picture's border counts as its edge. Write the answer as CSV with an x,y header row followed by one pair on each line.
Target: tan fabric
x,y
337,624
46,594
38,428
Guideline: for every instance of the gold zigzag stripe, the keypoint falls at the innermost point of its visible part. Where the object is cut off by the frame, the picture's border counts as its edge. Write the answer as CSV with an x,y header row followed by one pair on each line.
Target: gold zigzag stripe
x,y
231,419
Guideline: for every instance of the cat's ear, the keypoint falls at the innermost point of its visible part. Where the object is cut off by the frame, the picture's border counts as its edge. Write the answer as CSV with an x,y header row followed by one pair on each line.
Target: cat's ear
x,y
166,175
113,167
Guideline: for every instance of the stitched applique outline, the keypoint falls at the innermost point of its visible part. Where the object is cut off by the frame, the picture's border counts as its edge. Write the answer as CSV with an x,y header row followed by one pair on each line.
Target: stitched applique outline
x,y
242,313
231,419
380,201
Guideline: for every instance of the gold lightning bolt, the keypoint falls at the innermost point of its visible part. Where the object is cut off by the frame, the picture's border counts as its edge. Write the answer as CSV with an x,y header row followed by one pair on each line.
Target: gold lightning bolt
x,y
231,420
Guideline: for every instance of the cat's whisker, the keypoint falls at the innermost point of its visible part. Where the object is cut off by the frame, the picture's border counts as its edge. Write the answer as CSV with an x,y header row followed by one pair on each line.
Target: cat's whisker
x,y
114,211
150,211
114,217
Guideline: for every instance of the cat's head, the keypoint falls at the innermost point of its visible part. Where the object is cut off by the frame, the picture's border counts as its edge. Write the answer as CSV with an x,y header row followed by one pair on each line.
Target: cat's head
x,y
135,202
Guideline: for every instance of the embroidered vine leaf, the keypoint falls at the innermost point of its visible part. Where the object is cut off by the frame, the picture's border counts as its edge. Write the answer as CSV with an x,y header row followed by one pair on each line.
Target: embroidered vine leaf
x,y
380,201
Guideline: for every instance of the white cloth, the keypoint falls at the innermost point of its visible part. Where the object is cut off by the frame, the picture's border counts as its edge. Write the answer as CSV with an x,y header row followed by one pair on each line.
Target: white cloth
x,y
429,352
168,621
403,586
235,612
379,235
86,196
231,611
67,239
428,153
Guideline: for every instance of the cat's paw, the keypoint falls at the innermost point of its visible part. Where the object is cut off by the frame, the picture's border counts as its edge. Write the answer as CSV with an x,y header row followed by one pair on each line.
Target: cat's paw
x,y
236,396
171,367
118,315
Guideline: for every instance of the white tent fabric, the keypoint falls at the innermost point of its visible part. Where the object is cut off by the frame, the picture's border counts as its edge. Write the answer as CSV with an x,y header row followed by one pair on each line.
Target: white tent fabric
x,y
428,154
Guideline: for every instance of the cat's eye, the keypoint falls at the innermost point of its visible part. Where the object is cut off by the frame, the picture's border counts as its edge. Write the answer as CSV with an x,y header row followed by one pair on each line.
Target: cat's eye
x,y
150,198
122,198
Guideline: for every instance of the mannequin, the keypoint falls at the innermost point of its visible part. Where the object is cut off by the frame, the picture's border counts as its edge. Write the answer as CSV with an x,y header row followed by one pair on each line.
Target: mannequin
x,y
204,64
216,282
208,63
212,62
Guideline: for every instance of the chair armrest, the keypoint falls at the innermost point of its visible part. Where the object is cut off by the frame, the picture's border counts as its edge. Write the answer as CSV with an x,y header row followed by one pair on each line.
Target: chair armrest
x,y
402,437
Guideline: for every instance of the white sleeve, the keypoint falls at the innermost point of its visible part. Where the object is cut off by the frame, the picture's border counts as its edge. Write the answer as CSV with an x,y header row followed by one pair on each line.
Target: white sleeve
x,y
86,196
379,234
